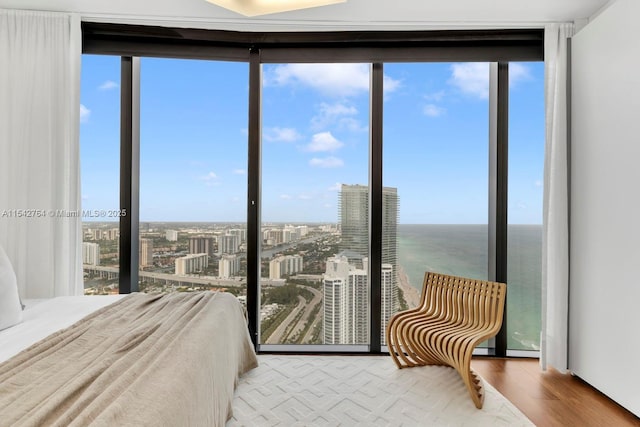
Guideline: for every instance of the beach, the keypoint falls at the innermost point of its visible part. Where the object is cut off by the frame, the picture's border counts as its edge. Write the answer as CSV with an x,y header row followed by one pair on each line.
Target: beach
x,y
411,294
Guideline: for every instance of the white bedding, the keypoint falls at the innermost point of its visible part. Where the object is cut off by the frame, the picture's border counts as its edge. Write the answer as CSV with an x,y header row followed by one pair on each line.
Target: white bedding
x,y
46,316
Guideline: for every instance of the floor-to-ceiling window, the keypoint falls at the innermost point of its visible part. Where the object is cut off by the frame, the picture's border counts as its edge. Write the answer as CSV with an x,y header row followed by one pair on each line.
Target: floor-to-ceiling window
x,y
100,172
526,161
193,177
315,204
322,194
436,149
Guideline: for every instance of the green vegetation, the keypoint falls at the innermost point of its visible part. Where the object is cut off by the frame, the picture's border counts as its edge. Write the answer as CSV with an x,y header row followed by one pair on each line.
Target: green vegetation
x,y
402,303
286,295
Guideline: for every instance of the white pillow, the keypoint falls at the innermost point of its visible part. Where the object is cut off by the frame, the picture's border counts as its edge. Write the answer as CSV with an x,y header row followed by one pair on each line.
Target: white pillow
x,y
10,306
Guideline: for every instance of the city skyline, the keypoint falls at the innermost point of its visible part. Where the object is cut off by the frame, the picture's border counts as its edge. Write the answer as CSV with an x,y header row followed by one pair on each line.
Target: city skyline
x,y
315,138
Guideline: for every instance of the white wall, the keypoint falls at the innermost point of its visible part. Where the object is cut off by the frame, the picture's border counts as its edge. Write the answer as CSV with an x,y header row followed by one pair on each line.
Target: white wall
x,y
605,192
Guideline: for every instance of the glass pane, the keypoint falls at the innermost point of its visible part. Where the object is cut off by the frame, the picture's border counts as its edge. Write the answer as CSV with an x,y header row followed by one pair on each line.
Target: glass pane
x,y
100,172
526,163
315,136
193,183
436,158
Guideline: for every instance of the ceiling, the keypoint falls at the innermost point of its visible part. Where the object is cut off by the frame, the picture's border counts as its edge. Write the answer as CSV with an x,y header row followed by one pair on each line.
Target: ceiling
x,y
354,14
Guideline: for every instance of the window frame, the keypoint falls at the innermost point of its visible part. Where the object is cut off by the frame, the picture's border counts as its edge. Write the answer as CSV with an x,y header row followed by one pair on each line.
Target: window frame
x,y
498,47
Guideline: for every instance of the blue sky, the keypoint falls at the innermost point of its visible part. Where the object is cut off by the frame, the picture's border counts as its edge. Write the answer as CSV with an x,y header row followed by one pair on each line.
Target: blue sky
x,y
315,137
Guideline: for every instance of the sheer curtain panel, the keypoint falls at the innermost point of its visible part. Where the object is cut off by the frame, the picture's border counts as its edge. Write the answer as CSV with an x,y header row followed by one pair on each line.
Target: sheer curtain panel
x,y
40,228
555,244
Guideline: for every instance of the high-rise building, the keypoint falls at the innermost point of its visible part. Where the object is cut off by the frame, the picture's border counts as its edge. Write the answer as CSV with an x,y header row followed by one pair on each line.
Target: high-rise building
x,y
171,235
303,230
354,246
145,252
228,244
191,263
332,317
285,265
275,237
228,266
346,290
90,253
240,232
201,245
113,234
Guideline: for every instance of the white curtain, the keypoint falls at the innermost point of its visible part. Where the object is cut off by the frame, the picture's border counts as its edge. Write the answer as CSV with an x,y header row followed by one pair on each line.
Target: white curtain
x,y
39,151
555,244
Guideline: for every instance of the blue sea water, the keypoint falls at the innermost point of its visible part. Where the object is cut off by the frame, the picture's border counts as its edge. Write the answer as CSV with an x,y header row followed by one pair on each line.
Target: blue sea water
x,y
461,250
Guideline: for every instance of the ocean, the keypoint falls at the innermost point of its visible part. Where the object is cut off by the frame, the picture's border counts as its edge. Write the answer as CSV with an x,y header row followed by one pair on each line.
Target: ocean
x,y
461,250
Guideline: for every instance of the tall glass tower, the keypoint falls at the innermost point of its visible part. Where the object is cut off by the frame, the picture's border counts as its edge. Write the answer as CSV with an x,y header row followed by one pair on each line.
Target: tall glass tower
x,y
354,246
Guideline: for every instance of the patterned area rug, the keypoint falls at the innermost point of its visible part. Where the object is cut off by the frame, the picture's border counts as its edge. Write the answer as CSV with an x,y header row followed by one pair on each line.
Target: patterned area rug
x,y
361,391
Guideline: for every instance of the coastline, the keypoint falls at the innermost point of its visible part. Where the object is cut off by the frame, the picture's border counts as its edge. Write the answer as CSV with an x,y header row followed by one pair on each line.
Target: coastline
x,y
411,294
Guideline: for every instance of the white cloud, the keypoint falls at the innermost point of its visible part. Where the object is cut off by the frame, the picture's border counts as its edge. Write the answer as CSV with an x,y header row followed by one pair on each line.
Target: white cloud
x,y
435,97
352,125
210,179
327,162
336,187
239,172
210,176
389,84
337,109
472,78
518,73
538,183
277,134
340,114
329,114
338,80
108,85
285,197
432,110
84,114
324,141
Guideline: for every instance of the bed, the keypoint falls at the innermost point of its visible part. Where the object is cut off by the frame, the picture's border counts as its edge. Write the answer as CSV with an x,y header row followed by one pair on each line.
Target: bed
x,y
135,360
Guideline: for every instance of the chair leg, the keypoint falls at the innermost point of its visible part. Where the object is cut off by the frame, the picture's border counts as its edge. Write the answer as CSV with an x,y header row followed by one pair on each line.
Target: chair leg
x,y
475,387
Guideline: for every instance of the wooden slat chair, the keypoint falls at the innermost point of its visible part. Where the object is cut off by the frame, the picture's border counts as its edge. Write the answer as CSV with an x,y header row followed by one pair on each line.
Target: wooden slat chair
x,y
454,316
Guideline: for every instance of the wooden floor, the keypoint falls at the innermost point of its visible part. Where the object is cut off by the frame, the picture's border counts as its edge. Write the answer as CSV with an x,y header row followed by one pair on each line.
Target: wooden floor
x,y
551,398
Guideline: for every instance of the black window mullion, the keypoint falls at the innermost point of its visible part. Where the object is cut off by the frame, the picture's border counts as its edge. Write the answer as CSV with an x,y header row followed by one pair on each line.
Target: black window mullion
x,y
129,174
502,163
375,207
253,200
498,176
